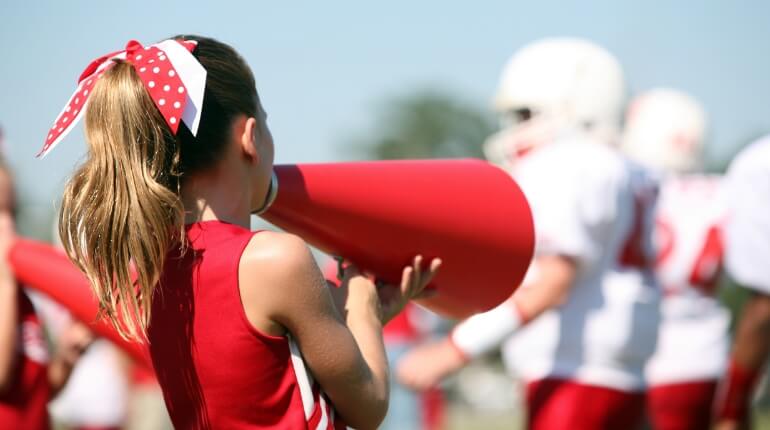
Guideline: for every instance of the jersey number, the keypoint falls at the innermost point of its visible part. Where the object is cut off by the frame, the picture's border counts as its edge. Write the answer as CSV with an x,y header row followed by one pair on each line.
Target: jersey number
x,y
635,253
705,272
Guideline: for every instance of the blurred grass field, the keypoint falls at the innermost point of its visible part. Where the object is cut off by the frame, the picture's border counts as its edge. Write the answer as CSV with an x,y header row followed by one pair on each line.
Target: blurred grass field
x,y
463,418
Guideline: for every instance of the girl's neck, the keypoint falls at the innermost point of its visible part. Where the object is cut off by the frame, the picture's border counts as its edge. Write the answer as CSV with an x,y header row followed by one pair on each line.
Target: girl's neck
x,y
217,194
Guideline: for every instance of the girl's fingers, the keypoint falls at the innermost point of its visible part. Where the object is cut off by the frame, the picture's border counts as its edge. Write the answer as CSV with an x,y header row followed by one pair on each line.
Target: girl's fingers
x,y
417,267
432,271
414,279
406,280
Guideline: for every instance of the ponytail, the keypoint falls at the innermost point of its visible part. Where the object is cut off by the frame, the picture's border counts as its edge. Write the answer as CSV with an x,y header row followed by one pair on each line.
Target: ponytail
x,y
121,211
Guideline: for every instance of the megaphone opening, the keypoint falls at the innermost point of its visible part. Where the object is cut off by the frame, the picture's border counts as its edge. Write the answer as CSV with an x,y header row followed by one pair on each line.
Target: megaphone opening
x,y
272,192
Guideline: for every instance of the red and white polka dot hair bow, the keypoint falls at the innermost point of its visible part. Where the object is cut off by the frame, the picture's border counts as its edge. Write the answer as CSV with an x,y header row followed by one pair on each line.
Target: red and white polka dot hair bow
x,y
171,74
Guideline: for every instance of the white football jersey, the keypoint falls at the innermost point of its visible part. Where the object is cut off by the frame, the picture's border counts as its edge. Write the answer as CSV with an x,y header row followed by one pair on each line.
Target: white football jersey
x,y
747,229
591,204
693,340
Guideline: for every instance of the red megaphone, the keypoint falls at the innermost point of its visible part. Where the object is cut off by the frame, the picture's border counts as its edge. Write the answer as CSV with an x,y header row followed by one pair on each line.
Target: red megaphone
x,y
44,268
381,214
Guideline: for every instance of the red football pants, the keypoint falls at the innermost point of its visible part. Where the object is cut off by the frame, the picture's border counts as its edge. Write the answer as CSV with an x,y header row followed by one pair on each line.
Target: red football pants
x,y
433,409
555,404
682,406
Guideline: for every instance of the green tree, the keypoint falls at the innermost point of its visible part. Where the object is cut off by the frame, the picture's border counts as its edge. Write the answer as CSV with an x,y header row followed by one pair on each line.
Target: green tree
x,y
424,124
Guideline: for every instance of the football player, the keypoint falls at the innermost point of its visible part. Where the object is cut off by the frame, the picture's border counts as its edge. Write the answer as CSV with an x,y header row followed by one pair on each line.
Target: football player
x,y
584,321
665,131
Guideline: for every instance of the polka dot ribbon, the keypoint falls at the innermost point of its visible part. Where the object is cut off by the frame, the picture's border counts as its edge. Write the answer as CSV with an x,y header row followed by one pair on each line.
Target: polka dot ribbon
x,y
172,76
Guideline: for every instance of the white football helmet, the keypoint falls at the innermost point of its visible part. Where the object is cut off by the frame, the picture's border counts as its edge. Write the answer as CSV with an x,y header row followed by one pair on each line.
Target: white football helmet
x,y
665,129
554,85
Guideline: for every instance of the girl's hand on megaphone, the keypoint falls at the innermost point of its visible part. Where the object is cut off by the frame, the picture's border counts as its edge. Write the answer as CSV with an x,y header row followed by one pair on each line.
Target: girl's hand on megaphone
x,y
414,279
386,300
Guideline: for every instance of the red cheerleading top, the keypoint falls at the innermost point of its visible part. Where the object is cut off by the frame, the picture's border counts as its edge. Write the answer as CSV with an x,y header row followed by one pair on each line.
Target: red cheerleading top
x,y
24,405
216,370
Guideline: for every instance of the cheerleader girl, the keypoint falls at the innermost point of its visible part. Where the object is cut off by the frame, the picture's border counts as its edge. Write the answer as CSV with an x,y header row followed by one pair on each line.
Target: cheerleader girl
x,y
242,329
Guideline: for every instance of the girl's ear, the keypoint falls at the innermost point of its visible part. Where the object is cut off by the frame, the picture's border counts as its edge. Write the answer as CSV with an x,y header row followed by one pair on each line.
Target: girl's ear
x,y
247,137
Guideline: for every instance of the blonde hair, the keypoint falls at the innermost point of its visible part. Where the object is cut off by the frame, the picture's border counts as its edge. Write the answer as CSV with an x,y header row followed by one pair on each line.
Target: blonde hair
x,y
121,210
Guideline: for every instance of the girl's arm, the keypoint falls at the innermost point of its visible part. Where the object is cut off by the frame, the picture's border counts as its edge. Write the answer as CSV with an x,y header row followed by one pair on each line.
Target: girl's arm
x,y
283,290
9,312
9,330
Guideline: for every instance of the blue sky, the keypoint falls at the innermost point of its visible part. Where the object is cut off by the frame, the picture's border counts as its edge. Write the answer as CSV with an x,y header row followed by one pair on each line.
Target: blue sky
x,y
323,67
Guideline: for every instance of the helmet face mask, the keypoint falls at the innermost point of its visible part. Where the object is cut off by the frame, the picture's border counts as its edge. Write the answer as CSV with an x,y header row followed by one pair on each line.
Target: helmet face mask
x,y
516,116
518,136
557,85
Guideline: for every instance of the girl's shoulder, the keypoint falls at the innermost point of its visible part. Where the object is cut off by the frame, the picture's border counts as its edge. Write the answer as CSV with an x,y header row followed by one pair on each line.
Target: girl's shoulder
x,y
276,252
279,279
